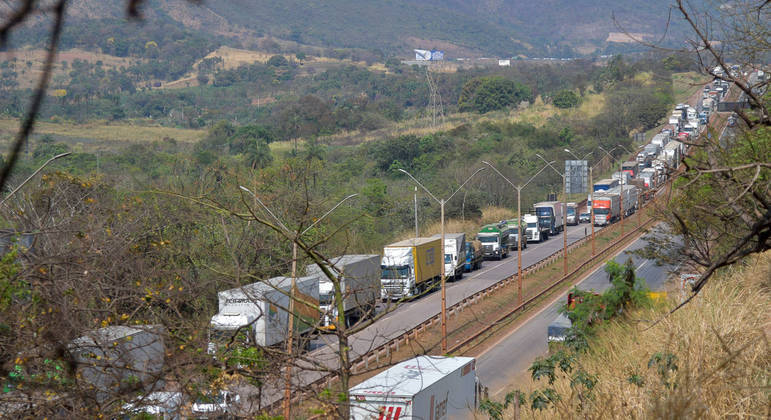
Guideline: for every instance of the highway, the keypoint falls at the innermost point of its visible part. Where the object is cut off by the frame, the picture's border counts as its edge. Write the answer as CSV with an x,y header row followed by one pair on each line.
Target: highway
x,y
506,362
410,314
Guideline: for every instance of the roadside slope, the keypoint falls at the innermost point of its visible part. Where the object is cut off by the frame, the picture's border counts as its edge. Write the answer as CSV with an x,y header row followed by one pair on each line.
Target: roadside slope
x,y
710,359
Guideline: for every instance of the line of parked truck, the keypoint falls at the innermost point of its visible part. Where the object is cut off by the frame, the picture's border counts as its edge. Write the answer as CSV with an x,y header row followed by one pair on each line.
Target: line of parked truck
x,y
257,313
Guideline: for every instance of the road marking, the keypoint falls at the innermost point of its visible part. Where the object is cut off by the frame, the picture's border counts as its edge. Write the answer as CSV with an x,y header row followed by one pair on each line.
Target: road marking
x,y
640,266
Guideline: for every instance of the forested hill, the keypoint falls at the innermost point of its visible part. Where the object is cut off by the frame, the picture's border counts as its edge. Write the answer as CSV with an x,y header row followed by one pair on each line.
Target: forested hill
x,y
503,28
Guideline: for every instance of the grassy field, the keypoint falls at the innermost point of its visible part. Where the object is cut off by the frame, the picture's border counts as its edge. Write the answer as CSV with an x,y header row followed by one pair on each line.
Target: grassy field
x,y
717,347
110,133
685,84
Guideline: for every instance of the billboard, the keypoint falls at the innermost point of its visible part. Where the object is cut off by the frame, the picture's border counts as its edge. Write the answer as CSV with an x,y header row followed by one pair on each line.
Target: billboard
x,y
422,55
576,176
426,55
504,63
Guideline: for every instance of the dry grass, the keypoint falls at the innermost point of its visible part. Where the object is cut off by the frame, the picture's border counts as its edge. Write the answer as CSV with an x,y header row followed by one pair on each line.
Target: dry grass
x,y
29,75
721,345
101,131
684,84
469,226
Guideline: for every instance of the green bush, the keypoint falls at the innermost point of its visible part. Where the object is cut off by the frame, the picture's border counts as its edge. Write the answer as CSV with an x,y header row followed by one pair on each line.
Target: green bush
x,y
565,99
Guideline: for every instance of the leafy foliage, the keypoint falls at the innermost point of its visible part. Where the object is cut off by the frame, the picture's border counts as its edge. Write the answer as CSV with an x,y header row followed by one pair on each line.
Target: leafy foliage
x,y
487,94
565,99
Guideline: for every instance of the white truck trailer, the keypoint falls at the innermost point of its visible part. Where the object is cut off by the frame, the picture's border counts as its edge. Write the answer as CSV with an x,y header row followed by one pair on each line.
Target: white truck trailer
x,y
257,313
629,198
118,358
410,267
660,140
672,154
454,254
426,387
359,285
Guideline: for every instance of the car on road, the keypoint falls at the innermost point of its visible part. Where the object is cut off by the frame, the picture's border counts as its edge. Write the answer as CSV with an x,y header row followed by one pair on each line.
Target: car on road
x,y
584,217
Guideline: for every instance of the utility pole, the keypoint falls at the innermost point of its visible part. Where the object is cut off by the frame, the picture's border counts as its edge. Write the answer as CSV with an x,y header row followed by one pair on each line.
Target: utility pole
x,y
564,216
518,188
416,212
444,289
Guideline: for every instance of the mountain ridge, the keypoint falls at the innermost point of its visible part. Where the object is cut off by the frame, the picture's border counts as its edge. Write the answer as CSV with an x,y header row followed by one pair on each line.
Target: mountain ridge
x,y
502,28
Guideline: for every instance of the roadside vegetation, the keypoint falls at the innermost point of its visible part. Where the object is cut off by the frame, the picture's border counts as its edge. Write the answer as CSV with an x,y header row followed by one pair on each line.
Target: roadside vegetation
x,y
708,360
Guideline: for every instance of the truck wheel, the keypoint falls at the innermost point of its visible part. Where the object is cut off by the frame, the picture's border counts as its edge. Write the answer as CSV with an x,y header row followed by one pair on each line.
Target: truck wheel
x,y
459,276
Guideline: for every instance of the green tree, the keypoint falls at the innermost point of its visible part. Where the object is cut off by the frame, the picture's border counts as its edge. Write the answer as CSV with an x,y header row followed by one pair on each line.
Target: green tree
x,y
485,94
565,99
278,61
258,154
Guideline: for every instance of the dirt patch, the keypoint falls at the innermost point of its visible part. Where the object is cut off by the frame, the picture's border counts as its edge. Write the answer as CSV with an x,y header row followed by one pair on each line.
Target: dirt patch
x,y
627,38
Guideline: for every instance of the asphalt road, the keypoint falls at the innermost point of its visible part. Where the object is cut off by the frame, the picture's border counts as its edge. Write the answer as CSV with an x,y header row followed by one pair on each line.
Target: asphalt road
x,y
412,313
503,365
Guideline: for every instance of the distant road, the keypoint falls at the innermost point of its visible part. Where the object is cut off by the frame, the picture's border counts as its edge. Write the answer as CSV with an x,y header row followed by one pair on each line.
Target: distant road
x,y
500,367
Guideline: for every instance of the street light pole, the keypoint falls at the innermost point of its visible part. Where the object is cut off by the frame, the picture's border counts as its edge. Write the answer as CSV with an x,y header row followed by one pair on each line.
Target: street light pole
x,y
564,216
519,224
441,205
416,212
591,208
290,322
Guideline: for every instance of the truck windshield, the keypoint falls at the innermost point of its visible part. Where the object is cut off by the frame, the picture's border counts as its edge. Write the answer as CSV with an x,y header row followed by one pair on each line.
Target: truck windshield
x,y
395,272
543,211
571,211
488,239
447,258
601,211
531,225
326,298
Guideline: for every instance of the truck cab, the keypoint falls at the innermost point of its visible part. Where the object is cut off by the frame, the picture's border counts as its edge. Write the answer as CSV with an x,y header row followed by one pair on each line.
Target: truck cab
x,y
229,322
397,281
495,241
572,215
535,233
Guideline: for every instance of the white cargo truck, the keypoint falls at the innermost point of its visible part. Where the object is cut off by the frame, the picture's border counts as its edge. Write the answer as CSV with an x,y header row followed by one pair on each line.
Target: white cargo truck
x,y
257,313
454,254
359,284
572,214
118,358
410,267
534,231
426,387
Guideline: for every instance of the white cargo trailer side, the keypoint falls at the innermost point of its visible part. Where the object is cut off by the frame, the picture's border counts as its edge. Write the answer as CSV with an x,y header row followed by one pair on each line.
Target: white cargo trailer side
x,y
426,387
260,311
454,254
360,286
115,358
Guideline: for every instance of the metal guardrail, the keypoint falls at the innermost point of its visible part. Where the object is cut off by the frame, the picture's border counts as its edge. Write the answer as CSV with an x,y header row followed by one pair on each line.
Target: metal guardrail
x,y
543,292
